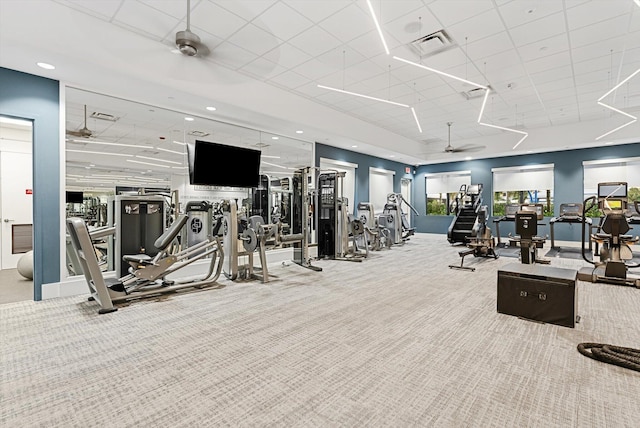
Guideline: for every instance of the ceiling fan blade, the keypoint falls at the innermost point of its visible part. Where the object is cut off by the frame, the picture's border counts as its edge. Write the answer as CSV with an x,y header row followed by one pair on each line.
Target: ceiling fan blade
x,y
469,148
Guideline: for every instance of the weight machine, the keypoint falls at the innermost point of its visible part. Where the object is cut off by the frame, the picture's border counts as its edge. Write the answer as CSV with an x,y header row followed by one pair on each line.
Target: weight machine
x,y
395,220
612,237
376,236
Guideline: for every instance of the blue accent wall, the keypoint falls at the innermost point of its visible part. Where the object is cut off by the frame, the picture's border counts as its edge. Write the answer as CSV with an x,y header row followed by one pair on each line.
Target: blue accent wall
x,y
362,172
568,180
38,99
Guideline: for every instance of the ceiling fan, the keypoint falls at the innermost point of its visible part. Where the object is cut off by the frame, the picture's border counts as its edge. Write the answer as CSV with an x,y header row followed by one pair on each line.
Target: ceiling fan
x,y
84,132
187,42
465,148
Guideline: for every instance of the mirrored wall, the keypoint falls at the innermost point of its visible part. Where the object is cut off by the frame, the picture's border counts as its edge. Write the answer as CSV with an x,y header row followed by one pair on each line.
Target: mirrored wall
x,y
116,146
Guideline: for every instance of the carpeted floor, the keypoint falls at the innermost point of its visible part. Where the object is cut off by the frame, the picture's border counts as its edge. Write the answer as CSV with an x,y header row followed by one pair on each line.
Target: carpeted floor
x,y
398,340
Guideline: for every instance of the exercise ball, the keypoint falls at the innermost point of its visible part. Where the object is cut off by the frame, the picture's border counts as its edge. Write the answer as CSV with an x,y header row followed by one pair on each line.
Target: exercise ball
x,y
25,265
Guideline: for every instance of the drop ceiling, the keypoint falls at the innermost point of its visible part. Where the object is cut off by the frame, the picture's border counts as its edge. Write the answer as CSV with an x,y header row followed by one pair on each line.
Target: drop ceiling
x,y
547,63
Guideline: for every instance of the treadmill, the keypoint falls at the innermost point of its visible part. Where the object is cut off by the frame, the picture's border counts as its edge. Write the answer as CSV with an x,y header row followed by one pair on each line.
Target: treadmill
x,y
570,213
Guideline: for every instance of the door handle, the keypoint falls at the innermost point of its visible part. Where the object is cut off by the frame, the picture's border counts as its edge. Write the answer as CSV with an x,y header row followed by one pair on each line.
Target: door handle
x,y
7,220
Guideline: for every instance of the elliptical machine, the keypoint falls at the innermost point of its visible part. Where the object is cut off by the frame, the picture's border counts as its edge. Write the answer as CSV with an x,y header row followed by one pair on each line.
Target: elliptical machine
x,y
612,237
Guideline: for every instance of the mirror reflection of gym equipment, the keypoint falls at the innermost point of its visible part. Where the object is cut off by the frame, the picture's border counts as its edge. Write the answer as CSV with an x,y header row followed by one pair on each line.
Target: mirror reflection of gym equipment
x,y
611,237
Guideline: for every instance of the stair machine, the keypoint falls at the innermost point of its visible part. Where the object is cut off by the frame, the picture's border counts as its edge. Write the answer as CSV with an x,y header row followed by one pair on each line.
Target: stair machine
x,y
394,218
376,236
147,275
612,237
466,206
482,244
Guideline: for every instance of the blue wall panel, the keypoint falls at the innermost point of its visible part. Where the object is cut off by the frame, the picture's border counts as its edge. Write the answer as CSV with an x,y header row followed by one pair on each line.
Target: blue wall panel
x,y
568,180
38,99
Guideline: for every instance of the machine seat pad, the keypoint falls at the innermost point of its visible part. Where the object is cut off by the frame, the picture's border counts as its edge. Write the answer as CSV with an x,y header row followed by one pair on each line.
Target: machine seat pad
x,y
137,258
600,235
171,233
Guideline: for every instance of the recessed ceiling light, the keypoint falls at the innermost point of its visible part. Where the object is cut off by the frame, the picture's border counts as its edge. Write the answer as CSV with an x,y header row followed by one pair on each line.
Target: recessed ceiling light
x,y
354,146
211,108
189,119
392,156
275,138
468,158
299,132
46,66
91,164
608,143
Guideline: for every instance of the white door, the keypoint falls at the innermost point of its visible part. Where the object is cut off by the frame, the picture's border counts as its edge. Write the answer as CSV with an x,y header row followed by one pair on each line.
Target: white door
x,y
405,190
16,205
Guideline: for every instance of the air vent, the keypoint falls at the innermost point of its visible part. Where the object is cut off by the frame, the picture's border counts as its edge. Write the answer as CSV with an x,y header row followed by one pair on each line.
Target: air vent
x,y
432,44
474,93
104,116
198,133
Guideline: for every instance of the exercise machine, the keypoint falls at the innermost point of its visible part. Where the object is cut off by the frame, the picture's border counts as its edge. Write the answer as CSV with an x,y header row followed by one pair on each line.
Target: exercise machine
x,y
482,244
199,223
510,211
612,238
527,230
395,220
466,205
148,276
570,213
377,236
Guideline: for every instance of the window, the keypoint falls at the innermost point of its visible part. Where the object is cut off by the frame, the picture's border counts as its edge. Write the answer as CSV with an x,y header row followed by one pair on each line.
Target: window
x,y
442,189
380,185
531,184
349,181
611,170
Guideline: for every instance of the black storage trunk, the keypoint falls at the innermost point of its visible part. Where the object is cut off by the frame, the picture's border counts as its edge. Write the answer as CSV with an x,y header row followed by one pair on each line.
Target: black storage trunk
x,y
538,292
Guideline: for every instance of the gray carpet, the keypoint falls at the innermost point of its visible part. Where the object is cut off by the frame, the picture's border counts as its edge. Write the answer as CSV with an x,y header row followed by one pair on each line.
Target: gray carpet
x,y
398,340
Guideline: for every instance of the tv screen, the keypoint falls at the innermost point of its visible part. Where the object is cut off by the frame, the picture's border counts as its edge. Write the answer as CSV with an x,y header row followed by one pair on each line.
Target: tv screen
x,y
214,164
612,190
74,197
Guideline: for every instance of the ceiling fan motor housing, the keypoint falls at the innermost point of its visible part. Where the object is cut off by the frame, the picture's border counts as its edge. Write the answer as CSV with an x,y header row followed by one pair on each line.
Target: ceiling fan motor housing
x,y
187,42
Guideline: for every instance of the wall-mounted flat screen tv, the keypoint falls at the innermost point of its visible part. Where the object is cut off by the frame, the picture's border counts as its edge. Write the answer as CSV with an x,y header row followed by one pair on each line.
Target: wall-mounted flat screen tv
x,y
214,164
74,197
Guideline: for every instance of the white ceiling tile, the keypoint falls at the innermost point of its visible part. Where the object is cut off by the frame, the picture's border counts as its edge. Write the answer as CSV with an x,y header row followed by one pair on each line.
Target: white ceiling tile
x,y
461,10
101,8
316,10
144,18
600,31
247,9
477,27
548,62
564,93
282,21
564,71
254,39
599,49
522,12
367,45
175,8
232,56
489,46
314,70
290,79
544,48
315,41
554,85
350,23
538,30
604,76
595,11
341,58
412,26
388,11
287,56
263,69
216,20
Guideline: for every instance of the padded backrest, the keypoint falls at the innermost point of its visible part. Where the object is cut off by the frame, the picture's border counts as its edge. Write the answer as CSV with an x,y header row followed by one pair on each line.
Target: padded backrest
x,y
615,224
171,233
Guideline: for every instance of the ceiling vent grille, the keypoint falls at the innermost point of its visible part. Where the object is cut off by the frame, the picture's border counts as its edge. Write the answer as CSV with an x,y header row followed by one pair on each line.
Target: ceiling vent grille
x,y
198,133
432,44
104,116
474,93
